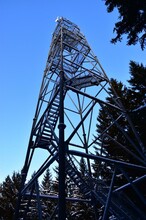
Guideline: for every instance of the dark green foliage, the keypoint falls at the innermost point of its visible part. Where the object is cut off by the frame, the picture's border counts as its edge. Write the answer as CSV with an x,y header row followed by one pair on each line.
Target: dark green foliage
x,y
47,188
55,186
138,90
113,140
83,210
83,167
138,82
132,20
47,182
114,143
8,194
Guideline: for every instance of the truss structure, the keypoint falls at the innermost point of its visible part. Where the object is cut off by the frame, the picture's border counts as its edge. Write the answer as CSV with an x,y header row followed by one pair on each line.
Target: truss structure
x,y
73,89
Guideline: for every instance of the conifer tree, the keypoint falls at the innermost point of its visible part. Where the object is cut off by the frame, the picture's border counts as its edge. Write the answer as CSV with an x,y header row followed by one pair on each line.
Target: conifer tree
x,y
138,90
46,189
47,182
83,210
8,195
131,20
138,82
133,98
83,167
109,142
55,186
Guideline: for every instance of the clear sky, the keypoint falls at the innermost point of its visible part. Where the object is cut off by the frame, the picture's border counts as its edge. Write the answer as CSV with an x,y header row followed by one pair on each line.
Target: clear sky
x,y
26,27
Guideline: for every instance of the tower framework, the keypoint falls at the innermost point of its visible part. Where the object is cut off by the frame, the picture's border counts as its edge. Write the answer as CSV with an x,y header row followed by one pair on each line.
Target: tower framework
x,y
74,89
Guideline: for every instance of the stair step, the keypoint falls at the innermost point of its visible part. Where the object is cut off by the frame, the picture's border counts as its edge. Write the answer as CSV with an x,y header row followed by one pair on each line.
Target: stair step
x,y
54,111
56,104
45,138
46,129
53,107
52,119
52,150
56,101
46,133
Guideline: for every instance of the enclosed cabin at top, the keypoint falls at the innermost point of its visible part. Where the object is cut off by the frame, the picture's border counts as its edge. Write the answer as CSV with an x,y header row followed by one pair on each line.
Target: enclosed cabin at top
x,y
71,52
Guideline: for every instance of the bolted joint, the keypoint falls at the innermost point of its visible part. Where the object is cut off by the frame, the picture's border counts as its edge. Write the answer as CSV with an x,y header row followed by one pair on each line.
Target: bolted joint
x,y
61,125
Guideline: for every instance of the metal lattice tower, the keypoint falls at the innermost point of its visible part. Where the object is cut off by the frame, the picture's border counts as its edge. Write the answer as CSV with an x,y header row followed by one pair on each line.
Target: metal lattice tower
x,y
73,89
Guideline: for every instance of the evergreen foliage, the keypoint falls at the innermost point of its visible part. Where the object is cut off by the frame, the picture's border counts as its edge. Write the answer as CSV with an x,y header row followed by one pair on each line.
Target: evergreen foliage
x,y
138,82
138,92
83,167
132,20
48,189
8,195
113,143
82,210
47,182
113,140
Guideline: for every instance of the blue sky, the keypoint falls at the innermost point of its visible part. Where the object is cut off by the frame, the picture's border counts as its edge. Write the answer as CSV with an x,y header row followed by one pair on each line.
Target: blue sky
x,y
26,27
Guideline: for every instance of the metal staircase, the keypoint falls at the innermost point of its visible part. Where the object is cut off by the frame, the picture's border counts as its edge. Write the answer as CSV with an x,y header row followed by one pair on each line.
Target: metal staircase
x,y
73,89
46,126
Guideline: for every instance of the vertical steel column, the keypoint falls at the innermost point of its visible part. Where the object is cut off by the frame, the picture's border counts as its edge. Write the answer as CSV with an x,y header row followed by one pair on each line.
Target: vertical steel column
x,y
109,196
39,207
61,126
